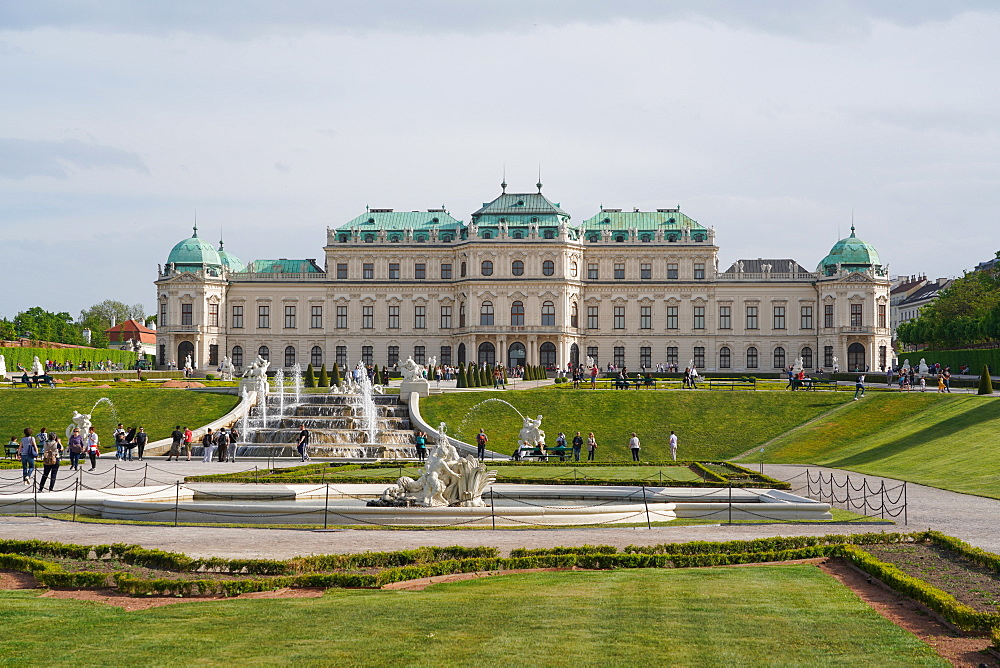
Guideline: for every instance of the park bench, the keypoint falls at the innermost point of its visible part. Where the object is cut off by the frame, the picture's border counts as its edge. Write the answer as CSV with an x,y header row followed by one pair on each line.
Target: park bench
x,y
562,453
732,383
820,384
32,381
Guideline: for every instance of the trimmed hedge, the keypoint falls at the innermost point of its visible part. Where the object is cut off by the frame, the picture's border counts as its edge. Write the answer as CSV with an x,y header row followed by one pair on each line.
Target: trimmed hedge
x,y
24,356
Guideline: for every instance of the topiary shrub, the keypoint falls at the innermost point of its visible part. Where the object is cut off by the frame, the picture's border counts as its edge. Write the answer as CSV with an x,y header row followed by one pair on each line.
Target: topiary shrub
x,y
209,376
324,379
335,375
309,380
985,382
460,376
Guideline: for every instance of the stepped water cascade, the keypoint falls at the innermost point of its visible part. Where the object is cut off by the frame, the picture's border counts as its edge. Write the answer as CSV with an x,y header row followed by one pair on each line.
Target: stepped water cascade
x,y
366,402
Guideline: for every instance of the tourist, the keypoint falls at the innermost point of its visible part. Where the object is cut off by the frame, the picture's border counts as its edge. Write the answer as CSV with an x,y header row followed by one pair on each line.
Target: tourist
x,y
177,437
940,380
28,451
694,378
686,383
141,438
577,446
128,444
947,379
76,448
119,436
222,442
673,445
421,443
50,460
188,438
303,443
234,438
42,438
859,387
208,446
93,443
593,377
923,384
481,440
634,446
591,447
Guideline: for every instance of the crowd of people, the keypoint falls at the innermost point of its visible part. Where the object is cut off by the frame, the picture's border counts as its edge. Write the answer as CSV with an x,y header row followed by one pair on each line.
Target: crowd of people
x,y
48,446
216,444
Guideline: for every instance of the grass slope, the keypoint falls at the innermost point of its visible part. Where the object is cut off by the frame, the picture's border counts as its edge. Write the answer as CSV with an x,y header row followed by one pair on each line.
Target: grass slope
x,y
158,410
798,616
938,440
709,425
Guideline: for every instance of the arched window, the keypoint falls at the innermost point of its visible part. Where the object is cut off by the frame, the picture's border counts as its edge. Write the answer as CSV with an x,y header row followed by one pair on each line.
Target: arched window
x,y
593,238
646,238
516,354
856,357
620,238
487,235
487,268
517,314
237,356
807,357
289,356
572,269
461,353
751,358
779,358
547,354
264,353
316,356
518,234
548,314
725,358
463,270
548,267
461,314
574,316
486,314
574,355
517,267
487,353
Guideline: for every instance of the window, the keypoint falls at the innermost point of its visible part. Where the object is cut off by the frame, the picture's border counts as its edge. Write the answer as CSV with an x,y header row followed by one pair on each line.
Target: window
x,y
368,317
547,354
393,317
779,317
316,356
672,270
828,315
446,355
671,355
807,357
419,354
725,358
445,317
619,356
592,352
572,269
645,357
289,317
213,315
881,316
316,317
517,314
342,357
619,315
751,358
186,314
366,354
779,358
699,356
264,352
856,315
461,314
392,355
517,267
548,268
419,317
237,356
806,317
213,354
463,270
828,356
263,317
592,271
446,271
725,317
486,314
752,317
699,317
881,356
574,316
289,356
393,270
420,271
487,268
548,314
341,317
619,271
699,271
672,317
368,270
645,271
592,319
645,317
341,270
163,314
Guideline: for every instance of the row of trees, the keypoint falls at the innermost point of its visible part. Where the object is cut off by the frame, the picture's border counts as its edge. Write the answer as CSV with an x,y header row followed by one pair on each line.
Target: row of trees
x,y
966,313
38,324
475,375
324,379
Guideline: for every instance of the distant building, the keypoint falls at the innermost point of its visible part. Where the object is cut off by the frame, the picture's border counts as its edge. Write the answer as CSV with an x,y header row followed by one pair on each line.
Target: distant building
x,y
123,335
912,294
989,264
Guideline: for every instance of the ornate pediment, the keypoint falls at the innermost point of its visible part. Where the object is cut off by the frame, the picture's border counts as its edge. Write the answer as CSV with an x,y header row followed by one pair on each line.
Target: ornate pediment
x,y
858,277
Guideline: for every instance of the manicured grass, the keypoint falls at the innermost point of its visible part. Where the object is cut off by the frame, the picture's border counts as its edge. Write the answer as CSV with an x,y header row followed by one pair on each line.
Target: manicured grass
x,y
766,615
158,410
710,425
938,440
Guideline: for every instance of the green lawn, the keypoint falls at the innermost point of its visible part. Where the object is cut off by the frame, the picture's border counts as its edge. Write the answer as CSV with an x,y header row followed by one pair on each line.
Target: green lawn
x,y
158,410
710,425
762,615
939,440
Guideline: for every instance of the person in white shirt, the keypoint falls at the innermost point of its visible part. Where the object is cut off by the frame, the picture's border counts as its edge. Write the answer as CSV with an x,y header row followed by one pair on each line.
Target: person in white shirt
x,y
634,445
673,445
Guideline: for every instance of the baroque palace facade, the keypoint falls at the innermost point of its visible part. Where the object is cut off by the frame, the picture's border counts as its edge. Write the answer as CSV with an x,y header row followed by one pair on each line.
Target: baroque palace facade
x,y
520,284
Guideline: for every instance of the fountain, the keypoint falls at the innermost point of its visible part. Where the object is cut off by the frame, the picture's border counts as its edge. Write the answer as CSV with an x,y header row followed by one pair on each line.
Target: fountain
x,y
279,384
82,421
297,382
366,402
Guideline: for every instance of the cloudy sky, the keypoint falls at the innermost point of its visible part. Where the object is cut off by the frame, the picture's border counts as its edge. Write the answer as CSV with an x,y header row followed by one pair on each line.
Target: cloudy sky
x,y
771,121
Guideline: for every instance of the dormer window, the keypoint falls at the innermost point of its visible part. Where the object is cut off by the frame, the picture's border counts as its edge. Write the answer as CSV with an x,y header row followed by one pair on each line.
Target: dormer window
x,y
549,234
646,238
620,238
369,238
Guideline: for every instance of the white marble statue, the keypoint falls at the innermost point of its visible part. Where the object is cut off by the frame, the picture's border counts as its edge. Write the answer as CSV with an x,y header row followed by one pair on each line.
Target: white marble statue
x,y
36,367
431,366
836,365
590,362
797,365
187,363
226,368
923,368
3,366
531,435
258,369
412,370
81,421
906,365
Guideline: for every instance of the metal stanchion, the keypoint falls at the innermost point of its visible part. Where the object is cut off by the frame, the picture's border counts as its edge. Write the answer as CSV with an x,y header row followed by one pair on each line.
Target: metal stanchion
x,y
649,524
177,500
848,492
493,516
904,504
808,484
34,485
326,504
145,474
883,498
76,493
114,477
730,502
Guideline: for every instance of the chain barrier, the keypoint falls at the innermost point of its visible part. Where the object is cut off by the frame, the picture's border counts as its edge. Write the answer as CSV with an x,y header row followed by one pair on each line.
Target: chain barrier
x,y
871,499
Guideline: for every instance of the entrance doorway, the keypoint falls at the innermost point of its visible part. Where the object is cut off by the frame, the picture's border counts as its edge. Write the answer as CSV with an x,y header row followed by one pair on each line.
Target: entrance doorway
x,y
574,355
516,354
461,353
183,350
547,355
856,357
487,353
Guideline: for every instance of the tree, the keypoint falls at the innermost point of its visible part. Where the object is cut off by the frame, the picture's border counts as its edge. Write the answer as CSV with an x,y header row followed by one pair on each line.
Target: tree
x,y
324,379
985,382
460,376
37,323
105,314
7,330
310,378
335,375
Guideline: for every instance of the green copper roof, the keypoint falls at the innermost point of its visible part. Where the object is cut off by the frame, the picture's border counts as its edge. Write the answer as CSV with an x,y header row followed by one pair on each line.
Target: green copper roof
x,y
387,219
521,204
193,253
284,267
614,219
852,254
230,261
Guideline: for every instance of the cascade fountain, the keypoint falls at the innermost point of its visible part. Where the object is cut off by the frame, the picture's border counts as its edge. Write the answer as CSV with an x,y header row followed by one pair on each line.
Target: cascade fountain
x,y
297,382
279,383
366,403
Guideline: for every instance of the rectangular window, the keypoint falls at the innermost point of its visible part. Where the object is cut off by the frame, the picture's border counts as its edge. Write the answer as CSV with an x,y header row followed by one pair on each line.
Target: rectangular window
x,y
367,317
751,317
592,352
187,311
699,317
806,320
671,355
828,356
263,317
881,316
725,317
419,317
672,270
699,357
316,317
856,315
592,317
828,315
446,355
645,271
619,356
751,358
163,353
393,317
672,317
289,317
645,317
420,271
392,355
592,272
779,317
163,315
341,270
366,354
393,271
619,271
419,356
881,357
619,317
213,354
342,357
341,317
238,317
699,271
645,357
445,317
213,315
368,270
446,271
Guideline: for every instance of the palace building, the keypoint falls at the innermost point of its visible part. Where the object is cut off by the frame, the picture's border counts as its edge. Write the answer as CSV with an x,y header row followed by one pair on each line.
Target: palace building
x,y
520,283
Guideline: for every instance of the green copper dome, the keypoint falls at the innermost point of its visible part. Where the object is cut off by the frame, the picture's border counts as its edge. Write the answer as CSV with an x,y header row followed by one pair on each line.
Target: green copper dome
x,y
230,261
192,254
850,254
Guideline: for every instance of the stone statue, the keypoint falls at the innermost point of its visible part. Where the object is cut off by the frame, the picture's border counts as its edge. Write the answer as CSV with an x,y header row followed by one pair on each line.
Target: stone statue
x,y
187,363
258,369
531,435
590,362
412,370
431,366
906,365
3,366
797,365
81,421
226,368
36,367
923,369
836,365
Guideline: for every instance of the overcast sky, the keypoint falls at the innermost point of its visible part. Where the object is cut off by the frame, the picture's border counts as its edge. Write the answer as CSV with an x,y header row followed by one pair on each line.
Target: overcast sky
x,y
770,121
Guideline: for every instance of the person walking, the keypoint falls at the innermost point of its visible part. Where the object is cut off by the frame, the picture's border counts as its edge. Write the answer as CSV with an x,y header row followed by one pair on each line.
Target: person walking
x,y
208,446
302,444
28,451
481,440
93,444
188,438
176,437
577,446
591,447
673,445
50,460
234,438
76,448
859,387
634,446
129,444
694,378
593,377
421,443
141,438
